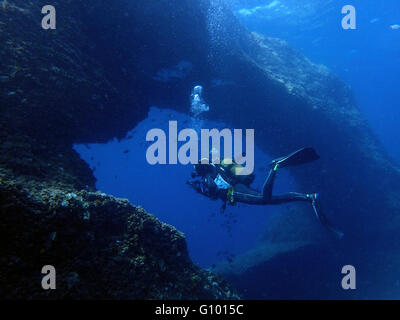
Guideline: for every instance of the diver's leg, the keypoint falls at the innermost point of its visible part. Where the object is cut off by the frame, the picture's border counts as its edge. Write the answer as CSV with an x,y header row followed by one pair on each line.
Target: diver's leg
x,y
250,196
269,183
244,194
268,186
289,197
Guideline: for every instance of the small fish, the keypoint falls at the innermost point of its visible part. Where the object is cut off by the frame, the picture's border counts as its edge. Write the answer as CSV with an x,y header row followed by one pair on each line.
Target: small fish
x,y
126,151
53,236
374,20
395,27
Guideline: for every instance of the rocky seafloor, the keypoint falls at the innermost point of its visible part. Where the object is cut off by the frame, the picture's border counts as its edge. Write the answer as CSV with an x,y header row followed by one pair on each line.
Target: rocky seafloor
x,y
102,247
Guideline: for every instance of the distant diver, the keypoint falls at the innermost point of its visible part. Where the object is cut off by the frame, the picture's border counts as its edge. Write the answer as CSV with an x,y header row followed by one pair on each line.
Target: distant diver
x,y
222,181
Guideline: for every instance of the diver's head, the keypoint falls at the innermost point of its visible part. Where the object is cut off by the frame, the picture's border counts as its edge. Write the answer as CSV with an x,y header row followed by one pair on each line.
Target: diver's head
x,y
203,167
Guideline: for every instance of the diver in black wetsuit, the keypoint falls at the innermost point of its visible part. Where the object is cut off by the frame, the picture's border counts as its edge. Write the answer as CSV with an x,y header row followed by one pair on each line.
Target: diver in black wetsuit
x,y
221,181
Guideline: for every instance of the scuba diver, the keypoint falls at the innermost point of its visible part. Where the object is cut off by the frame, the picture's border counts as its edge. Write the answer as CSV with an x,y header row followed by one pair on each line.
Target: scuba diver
x,y
223,181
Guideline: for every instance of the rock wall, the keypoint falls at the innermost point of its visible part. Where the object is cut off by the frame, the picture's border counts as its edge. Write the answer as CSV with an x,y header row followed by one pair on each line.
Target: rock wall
x,y
101,247
56,90
52,87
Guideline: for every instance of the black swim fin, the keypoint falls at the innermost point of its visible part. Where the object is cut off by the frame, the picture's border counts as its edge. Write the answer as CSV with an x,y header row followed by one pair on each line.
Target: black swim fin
x,y
301,156
322,218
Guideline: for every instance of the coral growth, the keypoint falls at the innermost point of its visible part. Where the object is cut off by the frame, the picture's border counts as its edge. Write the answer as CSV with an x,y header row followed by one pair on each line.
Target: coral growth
x,y
101,247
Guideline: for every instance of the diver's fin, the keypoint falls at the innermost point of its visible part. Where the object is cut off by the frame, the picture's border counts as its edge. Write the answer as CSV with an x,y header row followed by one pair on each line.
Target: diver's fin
x,y
322,218
298,157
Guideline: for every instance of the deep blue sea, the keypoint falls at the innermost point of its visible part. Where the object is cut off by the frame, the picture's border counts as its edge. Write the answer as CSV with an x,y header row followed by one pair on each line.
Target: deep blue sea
x,y
367,59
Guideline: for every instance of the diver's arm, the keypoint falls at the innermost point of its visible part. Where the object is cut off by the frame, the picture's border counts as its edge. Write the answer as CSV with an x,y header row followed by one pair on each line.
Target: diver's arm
x,y
204,185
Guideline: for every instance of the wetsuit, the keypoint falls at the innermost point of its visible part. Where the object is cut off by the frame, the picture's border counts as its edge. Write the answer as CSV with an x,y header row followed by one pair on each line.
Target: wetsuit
x,y
243,193
240,192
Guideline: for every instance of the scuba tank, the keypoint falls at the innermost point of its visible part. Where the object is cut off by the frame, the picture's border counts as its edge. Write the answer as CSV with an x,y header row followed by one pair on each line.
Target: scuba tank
x,y
231,172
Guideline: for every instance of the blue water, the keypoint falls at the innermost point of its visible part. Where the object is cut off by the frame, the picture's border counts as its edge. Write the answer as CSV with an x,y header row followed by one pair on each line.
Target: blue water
x,y
367,59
